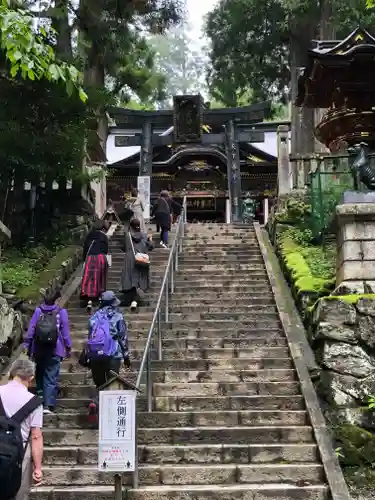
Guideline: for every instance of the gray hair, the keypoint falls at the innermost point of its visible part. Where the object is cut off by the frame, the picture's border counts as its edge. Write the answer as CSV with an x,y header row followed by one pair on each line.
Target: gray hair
x,y
22,368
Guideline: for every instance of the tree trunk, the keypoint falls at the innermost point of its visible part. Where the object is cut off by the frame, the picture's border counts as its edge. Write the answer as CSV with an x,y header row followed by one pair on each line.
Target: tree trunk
x,y
326,32
63,31
302,118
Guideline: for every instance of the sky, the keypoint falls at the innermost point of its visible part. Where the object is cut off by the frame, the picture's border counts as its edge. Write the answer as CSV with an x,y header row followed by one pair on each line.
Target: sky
x,y
197,10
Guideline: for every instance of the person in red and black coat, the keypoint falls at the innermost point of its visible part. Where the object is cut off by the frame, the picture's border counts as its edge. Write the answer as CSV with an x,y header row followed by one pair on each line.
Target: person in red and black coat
x,y
95,251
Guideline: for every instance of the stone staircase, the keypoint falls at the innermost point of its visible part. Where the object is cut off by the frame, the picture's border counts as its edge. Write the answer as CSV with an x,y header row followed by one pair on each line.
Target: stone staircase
x,y
229,420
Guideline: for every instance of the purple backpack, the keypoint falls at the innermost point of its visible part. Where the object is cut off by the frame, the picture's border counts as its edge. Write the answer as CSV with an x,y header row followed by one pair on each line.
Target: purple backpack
x,y
101,344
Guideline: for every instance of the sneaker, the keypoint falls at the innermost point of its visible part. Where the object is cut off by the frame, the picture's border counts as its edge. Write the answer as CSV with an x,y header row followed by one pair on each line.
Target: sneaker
x,y
89,306
141,294
163,245
47,411
133,305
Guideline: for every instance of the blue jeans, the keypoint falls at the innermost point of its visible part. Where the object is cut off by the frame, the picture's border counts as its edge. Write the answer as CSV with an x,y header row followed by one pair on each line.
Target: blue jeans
x,y
164,236
47,378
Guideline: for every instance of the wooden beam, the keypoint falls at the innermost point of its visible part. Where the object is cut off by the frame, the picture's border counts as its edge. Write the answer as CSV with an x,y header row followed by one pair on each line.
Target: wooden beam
x,y
123,141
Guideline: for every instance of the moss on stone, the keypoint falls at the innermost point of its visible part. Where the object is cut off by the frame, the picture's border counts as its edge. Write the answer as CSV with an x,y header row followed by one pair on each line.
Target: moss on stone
x,y
299,270
356,446
356,452
32,292
347,299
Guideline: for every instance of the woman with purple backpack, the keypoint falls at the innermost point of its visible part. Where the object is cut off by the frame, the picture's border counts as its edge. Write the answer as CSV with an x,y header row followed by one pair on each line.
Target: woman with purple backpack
x,y
107,343
47,343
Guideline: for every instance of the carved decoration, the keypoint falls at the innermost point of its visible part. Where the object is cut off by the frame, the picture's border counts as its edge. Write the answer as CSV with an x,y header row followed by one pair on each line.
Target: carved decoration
x,y
361,168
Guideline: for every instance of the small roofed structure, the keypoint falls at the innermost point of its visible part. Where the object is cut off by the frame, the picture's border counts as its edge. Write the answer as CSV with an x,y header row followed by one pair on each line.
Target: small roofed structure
x,y
339,76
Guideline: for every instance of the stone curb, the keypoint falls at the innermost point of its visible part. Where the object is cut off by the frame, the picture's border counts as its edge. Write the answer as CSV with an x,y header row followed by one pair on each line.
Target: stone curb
x,y
304,361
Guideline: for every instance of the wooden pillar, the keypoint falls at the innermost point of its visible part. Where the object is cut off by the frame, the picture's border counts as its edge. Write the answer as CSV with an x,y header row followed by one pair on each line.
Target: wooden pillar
x,y
265,211
283,163
233,171
145,165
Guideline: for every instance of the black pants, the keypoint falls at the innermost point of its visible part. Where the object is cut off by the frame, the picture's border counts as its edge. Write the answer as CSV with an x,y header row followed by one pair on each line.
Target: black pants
x,y
100,369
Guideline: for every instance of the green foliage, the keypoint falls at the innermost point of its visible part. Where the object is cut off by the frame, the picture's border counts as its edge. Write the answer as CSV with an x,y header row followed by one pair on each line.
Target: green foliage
x,y
371,402
50,270
41,132
296,211
297,260
31,55
20,267
27,270
250,43
357,446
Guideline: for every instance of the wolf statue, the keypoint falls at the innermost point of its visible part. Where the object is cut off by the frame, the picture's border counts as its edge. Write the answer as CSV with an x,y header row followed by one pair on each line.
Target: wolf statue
x,y
361,169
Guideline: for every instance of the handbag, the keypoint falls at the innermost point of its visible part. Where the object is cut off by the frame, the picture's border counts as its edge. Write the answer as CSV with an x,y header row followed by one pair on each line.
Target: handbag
x,y
169,210
83,359
142,260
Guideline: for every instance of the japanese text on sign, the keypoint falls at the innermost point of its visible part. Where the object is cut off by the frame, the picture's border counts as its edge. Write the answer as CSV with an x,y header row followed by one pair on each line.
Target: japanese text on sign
x,y
117,431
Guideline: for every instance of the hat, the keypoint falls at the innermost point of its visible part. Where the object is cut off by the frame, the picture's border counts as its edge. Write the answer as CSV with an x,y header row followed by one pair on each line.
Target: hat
x,y
109,298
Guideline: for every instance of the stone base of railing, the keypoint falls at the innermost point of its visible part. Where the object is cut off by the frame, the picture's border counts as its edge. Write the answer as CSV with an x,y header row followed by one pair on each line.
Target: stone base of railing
x,y
355,269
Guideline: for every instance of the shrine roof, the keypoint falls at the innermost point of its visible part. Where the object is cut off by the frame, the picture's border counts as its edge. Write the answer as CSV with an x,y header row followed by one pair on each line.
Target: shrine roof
x,y
164,117
326,62
250,152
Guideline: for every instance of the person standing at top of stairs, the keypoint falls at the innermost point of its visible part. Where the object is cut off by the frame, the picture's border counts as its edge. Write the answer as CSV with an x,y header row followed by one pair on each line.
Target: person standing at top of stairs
x,y
163,211
135,278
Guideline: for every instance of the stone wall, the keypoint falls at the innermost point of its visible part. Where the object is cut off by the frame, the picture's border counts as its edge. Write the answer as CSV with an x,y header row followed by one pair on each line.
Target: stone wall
x,y
342,333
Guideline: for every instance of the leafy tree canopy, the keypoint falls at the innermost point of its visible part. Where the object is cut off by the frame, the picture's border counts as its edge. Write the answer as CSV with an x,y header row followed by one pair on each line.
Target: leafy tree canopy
x,y
250,43
30,54
178,62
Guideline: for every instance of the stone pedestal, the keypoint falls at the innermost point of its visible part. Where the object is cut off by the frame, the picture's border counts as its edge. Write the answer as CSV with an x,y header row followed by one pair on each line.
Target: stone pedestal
x,y
355,266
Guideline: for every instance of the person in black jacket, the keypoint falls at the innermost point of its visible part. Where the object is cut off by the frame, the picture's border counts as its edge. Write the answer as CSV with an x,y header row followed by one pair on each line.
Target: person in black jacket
x,y
163,210
95,251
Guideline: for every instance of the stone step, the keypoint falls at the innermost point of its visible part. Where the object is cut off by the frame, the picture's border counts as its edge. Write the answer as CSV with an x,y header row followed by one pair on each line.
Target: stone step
x,y
79,420
192,404
218,355
136,323
244,308
213,474
191,492
187,454
193,334
71,365
178,435
84,378
247,280
195,343
200,389
225,388
202,295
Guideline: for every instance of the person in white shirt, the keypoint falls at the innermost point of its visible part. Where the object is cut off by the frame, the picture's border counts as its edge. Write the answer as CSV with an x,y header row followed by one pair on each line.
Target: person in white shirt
x,y
14,395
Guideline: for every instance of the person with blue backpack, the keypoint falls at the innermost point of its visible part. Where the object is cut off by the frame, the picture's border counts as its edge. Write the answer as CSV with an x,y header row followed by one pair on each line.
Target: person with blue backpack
x,y
107,343
47,343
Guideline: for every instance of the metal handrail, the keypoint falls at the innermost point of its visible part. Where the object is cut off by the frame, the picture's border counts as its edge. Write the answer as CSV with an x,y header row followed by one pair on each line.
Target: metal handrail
x,y
168,279
167,289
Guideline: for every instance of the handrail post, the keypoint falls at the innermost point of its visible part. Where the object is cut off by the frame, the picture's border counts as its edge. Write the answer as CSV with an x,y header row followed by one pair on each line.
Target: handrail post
x,y
149,382
172,273
160,338
167,301
176,262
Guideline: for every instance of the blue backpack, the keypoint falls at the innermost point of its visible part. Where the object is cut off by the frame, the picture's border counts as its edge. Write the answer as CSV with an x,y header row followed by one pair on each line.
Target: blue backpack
x,y
101,344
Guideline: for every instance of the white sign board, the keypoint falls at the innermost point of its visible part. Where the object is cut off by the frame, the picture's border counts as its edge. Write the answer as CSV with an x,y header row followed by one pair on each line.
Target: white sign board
x,y
144,191
117,431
